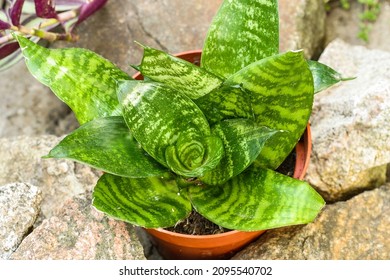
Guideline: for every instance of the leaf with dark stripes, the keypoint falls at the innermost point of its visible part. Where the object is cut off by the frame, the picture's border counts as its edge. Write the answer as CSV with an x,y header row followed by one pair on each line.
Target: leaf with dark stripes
x,y
282,98
177,73
193,156
152,202
324,76
108,145
226,103
160,117
241,33
243,141
258,199
79,77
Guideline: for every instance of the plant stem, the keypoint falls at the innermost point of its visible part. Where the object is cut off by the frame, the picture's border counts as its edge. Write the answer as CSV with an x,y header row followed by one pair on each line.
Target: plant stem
x,y
39,32
50,36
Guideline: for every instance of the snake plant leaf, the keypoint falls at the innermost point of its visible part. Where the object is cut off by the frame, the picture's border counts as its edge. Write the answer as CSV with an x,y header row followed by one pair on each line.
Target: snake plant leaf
x,y
160,116
258,199
188,157
241,33
85,81
282,94
324,76
152,202
177,73
243,141
226,103
108,145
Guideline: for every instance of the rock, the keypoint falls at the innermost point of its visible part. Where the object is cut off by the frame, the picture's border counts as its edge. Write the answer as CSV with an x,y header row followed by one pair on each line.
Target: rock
x,y
350,131
302,26
358,229
344,24
28,107
19,208
79,232
58,179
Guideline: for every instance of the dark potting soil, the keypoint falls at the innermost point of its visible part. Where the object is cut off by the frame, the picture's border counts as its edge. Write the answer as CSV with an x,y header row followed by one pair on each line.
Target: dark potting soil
x,y
195,224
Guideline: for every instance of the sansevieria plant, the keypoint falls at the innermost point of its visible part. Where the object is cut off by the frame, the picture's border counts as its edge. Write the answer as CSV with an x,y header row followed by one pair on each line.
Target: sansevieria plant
x,y
206,138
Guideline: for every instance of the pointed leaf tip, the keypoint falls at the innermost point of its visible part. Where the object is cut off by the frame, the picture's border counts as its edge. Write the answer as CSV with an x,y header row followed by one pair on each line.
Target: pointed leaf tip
x,y
325,76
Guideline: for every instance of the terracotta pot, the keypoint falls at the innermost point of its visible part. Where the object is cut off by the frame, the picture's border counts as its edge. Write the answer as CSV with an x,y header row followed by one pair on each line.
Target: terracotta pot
x,y
173,245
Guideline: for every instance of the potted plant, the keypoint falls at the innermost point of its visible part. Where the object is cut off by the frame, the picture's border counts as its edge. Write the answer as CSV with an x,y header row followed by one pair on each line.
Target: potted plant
x,y
190,138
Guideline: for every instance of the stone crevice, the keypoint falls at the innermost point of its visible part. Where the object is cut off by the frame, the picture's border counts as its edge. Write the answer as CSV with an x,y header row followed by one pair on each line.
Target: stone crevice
x,y
147,33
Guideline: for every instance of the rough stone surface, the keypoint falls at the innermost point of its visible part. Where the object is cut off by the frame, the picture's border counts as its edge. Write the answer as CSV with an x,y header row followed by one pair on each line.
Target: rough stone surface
x,y
302,26
19,208
28,107
355,229
344,24
20,161
79,232
350,124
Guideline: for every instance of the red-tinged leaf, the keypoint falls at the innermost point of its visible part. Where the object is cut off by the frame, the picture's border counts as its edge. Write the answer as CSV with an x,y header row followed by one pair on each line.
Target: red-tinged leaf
x,y
15,11
4,25
89,8
6,50
45,8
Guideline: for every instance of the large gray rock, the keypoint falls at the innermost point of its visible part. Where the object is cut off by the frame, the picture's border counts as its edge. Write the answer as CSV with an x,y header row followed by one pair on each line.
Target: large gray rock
x,y
356,229
302,26
79,232
344,24
19,208
21,161
350,124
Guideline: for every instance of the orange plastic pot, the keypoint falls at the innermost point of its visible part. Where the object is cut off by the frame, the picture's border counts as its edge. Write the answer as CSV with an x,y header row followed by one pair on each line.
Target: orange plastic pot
x,y
173,245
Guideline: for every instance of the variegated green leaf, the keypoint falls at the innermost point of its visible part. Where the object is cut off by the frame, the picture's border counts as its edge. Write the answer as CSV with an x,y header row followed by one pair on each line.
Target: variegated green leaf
x,y
282,95
159,117
81,78
324,76
148,202
192,156
258,199
241,33
108,145
177,73
226,103
243,141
